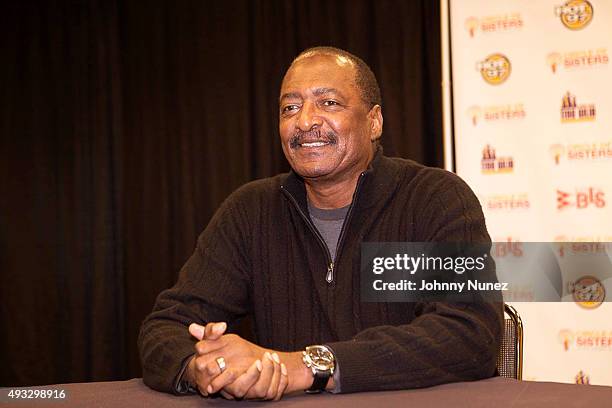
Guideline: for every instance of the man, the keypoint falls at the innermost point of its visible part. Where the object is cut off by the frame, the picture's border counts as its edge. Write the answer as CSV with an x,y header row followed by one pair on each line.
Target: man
x,y
286,250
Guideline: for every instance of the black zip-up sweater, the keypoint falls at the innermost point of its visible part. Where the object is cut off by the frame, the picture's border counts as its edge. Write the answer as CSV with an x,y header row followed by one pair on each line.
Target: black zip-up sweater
x,y
261,255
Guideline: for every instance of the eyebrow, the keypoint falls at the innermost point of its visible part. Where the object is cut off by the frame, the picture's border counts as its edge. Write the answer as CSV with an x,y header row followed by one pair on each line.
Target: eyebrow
x,y
294,95
323,91
316,92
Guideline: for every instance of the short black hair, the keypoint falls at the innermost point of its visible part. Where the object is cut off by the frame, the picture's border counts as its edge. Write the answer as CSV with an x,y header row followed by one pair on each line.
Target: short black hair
x,y
364,77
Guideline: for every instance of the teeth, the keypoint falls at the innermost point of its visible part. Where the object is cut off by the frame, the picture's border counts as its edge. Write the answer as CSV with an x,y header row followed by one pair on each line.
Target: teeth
x,y
314,144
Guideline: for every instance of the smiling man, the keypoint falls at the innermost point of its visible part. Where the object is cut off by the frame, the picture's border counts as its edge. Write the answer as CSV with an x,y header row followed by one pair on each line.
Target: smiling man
x,y
286,250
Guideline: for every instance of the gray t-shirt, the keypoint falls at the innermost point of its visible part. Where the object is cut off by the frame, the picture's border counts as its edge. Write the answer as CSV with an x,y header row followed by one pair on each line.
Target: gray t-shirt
x,y
329,223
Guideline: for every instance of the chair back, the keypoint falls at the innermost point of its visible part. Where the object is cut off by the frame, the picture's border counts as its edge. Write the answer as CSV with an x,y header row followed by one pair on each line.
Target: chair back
x,y
510,357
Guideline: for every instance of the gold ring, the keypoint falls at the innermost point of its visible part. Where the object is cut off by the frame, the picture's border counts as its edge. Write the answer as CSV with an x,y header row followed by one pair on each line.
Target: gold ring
x,y
221,363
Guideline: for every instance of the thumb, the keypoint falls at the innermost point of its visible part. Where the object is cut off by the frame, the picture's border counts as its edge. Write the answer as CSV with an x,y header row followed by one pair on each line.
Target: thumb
x,y
196,331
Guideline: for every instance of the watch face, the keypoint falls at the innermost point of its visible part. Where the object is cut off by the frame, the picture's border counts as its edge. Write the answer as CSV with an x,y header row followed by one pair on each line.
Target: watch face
x,y
321,357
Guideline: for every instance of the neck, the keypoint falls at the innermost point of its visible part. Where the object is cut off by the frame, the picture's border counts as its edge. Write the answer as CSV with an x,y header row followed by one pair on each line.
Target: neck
x,y
327,196
336,193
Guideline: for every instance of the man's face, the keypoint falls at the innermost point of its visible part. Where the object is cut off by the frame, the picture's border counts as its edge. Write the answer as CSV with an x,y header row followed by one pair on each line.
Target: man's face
x,y
325,127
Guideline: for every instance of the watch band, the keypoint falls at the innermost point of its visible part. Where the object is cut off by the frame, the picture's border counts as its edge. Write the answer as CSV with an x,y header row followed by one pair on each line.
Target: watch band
x,y
321,378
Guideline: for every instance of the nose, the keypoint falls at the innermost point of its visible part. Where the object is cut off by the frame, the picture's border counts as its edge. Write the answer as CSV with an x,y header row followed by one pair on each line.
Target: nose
x,y
308,117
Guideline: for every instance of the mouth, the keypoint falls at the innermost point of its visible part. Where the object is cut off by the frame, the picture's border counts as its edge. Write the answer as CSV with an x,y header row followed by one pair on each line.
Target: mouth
x,y
313,140
313,144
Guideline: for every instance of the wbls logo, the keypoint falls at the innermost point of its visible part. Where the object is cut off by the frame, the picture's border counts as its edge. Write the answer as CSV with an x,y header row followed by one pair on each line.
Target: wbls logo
x,y
581,199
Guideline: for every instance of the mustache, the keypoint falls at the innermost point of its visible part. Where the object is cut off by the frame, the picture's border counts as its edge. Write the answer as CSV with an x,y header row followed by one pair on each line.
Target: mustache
x,y
312,135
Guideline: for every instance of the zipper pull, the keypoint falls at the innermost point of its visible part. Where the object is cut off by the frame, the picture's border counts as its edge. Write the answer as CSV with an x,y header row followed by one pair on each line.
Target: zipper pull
x,y
330,273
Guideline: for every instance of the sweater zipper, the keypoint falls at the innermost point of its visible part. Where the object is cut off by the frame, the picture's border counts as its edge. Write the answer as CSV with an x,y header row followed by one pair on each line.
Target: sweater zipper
x,y
329,276
330,271
313,229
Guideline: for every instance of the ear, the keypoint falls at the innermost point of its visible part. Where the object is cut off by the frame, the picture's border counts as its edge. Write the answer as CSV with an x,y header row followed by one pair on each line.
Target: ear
x,y
376,122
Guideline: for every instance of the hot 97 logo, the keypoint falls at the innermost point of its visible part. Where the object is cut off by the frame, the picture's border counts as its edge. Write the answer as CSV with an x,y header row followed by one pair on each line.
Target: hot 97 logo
x,y
575,14
495,68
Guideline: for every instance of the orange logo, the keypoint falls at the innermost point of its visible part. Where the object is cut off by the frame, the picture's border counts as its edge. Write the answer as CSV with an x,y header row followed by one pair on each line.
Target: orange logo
x,y
474,112
471,24
556,152
566,337
554,60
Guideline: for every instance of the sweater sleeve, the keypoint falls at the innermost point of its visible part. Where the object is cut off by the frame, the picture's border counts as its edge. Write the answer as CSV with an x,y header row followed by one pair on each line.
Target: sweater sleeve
x,y
213,286
445,342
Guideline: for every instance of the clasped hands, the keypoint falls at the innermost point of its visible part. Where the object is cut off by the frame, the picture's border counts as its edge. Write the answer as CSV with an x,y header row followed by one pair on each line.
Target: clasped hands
x,y
237,368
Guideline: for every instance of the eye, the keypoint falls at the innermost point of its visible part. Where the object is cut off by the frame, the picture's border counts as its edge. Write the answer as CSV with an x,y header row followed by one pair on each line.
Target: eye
x,y
330,102
289,108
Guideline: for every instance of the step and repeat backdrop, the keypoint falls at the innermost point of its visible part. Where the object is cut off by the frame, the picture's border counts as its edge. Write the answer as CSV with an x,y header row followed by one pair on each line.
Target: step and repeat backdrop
x,y
532,119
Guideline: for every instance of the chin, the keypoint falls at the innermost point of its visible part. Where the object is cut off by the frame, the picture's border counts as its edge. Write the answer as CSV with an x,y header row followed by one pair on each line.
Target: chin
x,y
311,172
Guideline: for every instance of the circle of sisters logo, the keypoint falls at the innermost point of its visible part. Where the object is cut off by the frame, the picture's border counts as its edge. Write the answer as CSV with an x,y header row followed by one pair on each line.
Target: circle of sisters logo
x,y
587,292
575,14
495,69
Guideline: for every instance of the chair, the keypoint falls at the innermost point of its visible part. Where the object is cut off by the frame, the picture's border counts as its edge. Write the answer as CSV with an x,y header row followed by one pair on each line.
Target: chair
x,y
510,357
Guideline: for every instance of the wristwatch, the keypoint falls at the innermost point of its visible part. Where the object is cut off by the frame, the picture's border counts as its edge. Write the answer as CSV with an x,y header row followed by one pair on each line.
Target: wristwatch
x,y
322,362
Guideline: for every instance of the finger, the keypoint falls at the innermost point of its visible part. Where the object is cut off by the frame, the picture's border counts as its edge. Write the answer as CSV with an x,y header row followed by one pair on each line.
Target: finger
x,y
221,381
241,386
284,382
226,395
205,346
196,330
273,387
213,331
260,388
205,371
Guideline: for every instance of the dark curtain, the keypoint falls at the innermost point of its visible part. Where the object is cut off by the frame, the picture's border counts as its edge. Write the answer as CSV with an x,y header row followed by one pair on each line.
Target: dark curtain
x,y
124,124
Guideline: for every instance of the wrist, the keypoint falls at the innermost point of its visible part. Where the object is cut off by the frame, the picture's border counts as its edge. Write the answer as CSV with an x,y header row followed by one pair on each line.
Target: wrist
x,y
189,374
300,377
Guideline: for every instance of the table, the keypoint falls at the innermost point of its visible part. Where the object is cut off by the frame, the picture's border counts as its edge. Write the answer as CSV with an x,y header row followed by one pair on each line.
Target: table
x,y
496,392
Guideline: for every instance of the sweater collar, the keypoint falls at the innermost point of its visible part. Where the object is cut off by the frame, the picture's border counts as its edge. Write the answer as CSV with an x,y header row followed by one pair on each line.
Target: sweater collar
x,y
375,183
